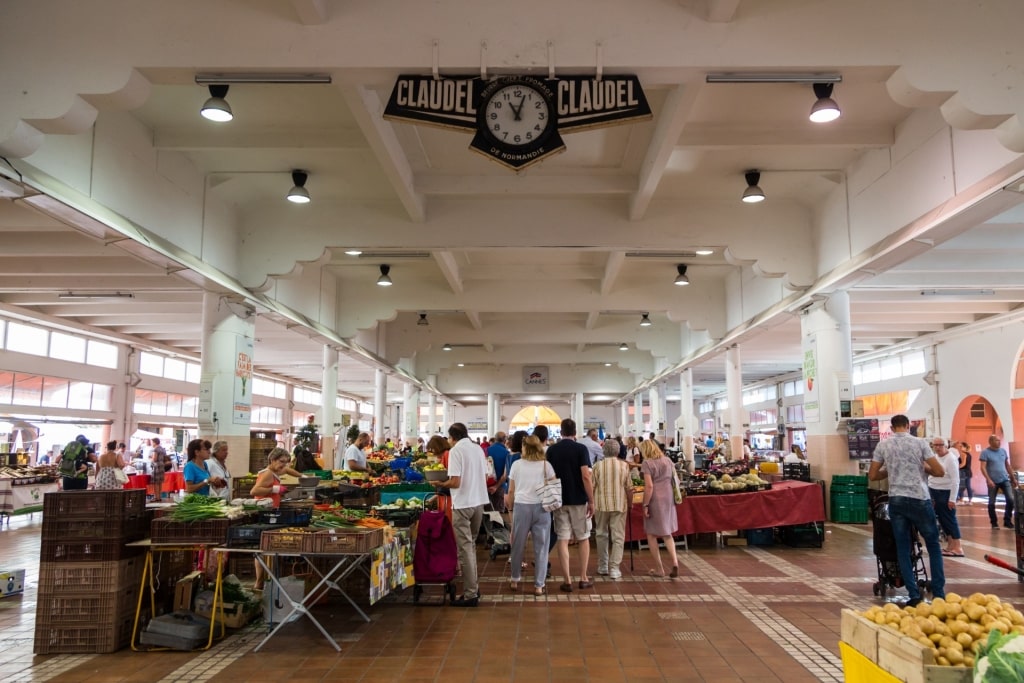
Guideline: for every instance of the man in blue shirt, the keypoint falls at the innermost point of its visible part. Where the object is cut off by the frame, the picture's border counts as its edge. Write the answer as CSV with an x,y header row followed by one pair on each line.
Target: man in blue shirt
x,y
1000,477
499,455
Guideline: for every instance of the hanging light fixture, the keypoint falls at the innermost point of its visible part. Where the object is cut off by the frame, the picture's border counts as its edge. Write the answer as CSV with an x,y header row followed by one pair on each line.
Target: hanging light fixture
x,y
825,108
753,194
217,108
607,365
623,347
423,320
681,279
446,347
384,280
299,194
645,321
353,252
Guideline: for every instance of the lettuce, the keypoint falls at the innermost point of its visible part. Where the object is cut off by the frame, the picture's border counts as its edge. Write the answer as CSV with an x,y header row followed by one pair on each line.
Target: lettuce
x,y
1001,659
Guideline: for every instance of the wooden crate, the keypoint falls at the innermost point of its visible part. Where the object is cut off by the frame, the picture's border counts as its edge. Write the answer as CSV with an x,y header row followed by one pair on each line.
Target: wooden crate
x,y
900,655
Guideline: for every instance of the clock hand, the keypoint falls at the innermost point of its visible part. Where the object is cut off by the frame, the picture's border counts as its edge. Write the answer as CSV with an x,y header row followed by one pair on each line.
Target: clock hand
x,y
519,111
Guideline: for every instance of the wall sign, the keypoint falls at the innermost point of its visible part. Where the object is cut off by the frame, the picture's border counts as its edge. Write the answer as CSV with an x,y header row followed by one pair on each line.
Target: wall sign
x,y
517,120
242,403
536,378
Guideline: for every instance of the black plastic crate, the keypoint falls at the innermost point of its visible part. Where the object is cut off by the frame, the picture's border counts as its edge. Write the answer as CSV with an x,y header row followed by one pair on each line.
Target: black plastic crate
x,y
803,535
287,517
247,535
765,536
97,505
799,471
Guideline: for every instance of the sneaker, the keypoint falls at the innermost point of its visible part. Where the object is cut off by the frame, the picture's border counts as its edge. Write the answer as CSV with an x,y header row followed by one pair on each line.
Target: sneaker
x,y
603,571
995,526
1008,525
614,574
466,602
913,602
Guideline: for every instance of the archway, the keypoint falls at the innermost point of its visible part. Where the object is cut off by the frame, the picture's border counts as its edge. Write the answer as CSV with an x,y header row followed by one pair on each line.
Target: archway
x,y
974,421
531,416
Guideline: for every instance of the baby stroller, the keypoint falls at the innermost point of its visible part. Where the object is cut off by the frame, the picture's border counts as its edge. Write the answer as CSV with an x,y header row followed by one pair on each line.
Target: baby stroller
x,y
884,547
435,558
498,535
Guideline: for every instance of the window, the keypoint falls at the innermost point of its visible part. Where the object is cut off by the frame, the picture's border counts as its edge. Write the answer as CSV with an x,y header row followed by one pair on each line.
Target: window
x,y
193,371
189,406
303,395
871,372
706,407
173,405
101,396
722,404
795,414
913,363
27,339
162,403
346,404
266,415
55,391
366,408
978,409
151,364
174,369
101,355
67,347
6,386
80,396
707,425
28,390
891,368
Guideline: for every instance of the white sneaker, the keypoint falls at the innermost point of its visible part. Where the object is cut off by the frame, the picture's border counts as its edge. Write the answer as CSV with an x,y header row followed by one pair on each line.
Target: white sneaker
x,y
603,571
614,573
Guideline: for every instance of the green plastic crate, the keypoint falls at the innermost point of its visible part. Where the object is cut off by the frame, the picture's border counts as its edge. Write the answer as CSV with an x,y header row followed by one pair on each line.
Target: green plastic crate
x,y
850,479
849,515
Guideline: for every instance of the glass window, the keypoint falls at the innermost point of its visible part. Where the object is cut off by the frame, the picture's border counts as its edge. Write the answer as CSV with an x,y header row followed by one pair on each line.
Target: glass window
x,y
101,355
151,364
158,405
871,372
27,339
143,399
67,347
771,392
80,395
101,396
3,329
189,406
174,369
858,376
28,389
367,408
280,390
55,391
913,363
173,405
193,372
6,386
891,368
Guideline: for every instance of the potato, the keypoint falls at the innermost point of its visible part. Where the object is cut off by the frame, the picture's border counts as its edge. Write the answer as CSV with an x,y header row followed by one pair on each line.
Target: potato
x,y
953,609
924,641
979,598
935,637
942,661
954,657
923,610
975,612
994,608
891,607
986,619
1016,618
953,598
968,660
880,619
939,610
992,597
964,639
1001,626
963,617
926,625
945,642
975,631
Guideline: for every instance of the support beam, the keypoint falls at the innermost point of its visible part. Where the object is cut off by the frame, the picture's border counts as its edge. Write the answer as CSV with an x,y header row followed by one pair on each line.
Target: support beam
x,y
591,320
612,268
474,320
205,139
719,136
368,111
311,12
671,121
525,185
450,270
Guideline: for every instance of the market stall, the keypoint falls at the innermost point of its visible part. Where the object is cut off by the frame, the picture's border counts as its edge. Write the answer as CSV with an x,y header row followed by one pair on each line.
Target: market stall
x,y
786,503
22,488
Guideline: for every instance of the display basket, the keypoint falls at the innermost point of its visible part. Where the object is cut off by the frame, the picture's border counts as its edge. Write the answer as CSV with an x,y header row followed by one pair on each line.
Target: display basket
x,y
206,531
97,638
73,529
247,535
55,608
241,486
435,475
345,541
288,540
95,505
86,551
101,577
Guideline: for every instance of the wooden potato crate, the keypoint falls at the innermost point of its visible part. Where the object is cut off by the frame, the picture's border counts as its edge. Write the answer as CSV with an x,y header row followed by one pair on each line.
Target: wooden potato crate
x,y
900,655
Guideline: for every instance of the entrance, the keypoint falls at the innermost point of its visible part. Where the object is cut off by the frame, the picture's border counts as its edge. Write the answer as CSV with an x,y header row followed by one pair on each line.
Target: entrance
x,y
531,416
974,421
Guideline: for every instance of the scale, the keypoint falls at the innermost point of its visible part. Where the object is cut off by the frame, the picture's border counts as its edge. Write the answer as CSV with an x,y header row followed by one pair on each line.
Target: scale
x,y
306,489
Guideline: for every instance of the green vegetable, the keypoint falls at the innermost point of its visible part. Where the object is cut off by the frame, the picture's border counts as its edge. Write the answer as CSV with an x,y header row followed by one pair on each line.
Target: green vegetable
x,y
196,507
1001,659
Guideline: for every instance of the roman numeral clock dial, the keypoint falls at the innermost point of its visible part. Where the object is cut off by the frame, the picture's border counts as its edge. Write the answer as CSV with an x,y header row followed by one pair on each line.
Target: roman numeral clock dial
x,y
517,121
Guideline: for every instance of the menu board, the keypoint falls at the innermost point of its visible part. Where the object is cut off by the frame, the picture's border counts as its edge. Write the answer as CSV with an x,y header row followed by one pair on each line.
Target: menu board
x,y
861,438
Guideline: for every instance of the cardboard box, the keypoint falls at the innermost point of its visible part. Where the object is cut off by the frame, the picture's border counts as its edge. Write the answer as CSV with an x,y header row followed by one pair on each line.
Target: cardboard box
x,y
12,582
897,654
186,590
236,614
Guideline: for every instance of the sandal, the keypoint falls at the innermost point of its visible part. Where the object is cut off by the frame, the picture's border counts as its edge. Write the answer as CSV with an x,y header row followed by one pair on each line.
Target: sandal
x,y
565,588
651,572
538,592
674,573
513,586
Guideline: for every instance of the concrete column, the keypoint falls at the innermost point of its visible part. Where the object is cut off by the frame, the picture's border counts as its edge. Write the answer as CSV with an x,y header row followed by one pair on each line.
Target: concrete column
x,y
380,383
685,422
828,363
579,413
491,422
432,408
225,388
624,419
654,394
446,416
329,405
409,407
638,414
734,394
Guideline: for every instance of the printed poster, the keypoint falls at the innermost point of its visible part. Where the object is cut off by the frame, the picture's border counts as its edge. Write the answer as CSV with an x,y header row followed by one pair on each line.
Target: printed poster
x,y
242,394
812,407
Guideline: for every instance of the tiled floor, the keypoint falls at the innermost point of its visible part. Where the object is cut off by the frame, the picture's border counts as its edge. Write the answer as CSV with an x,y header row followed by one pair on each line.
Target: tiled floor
x,y
735,614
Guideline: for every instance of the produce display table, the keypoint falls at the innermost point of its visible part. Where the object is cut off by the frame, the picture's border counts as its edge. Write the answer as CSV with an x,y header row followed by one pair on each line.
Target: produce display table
x,y
23,498
787,503
344,564
148,580
173,482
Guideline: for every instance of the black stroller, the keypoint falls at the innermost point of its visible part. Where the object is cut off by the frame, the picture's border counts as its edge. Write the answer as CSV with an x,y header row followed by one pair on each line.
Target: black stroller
x,y
884,547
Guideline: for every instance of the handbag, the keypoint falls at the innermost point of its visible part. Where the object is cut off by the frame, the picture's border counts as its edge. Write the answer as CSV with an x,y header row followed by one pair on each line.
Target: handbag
x,y
119,476
550,494
677,493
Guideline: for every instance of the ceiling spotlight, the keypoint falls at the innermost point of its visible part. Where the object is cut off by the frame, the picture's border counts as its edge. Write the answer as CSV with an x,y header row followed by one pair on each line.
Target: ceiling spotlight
x,y
825,108
384,280
753,194
299,194
423,320
354,252
217,108
462,365
681,279
623,347
703,252
607,365
446,347
645,321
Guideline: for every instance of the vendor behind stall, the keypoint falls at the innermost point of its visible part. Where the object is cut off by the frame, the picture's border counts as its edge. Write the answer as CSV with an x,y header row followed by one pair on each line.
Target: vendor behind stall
x,y
197,474
268,485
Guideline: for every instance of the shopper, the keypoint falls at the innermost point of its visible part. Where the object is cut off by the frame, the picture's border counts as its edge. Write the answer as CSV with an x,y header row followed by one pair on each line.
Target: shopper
x,y
197,475
106,464
499,455
571,462
467,480
73,464
904,460
354,459
437,449
218,466
966,465
613,494
594,447
942,490
660,521
999,476
633,457
528,515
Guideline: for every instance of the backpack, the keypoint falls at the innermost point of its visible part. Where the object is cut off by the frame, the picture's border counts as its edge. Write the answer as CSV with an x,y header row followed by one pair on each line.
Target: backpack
x,y
69,459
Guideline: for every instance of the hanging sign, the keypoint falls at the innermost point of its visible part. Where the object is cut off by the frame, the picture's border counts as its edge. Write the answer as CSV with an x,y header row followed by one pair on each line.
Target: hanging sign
x,y
242,395
518,120
812,407
536,377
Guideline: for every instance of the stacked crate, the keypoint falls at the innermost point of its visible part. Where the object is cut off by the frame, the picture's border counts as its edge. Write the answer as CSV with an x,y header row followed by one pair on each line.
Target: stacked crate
x,y
260,444
88,579
849,498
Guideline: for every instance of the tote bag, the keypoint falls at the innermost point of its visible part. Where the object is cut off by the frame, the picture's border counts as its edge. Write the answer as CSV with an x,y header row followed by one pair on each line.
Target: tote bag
x,y
677,492
550,494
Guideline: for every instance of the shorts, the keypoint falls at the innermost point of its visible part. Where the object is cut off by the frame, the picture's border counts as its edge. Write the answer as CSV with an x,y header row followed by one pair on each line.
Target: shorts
x,y
571,522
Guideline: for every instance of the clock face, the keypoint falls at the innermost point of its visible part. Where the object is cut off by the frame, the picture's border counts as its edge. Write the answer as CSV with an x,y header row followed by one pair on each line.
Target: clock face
x,y
517,115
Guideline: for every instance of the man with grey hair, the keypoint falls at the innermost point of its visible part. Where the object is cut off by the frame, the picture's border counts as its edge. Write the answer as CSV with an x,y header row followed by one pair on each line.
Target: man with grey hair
x,y
593,447
218,467
613,493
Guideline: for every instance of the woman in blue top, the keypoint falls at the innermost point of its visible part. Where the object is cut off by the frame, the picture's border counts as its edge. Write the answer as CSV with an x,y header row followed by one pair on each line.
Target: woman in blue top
x,y
197,476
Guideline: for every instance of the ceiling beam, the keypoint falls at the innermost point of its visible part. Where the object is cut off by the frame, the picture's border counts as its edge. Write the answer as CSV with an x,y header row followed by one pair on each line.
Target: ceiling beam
x,y
474,320
368,111
592,319
450,269
671,121
723,136
109,265
612,268
526,185
312,12
48,282
196,139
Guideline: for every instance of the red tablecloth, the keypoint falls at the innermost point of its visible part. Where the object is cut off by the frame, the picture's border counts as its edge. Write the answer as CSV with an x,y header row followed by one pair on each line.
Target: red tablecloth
x,y
174,481
137,481
785,504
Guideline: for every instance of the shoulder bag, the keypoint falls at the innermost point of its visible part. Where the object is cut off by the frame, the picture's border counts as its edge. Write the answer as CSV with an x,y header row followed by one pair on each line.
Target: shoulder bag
x,y
550,493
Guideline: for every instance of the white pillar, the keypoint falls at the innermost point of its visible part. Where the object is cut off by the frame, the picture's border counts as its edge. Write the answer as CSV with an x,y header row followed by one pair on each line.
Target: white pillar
x,y
432,408
638,414
579,413
624,419
655,398
329,405
380,384
225,390
490,414
685,423
446,416
734,394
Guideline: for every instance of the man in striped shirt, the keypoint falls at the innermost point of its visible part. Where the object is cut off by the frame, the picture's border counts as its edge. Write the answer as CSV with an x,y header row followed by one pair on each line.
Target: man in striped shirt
x,y
613,493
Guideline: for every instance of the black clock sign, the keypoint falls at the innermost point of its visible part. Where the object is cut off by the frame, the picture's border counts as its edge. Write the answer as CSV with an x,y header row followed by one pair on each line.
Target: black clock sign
x,y
516,119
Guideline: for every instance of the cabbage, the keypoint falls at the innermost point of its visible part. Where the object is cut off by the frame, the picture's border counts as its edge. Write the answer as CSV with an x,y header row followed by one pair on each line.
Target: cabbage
x,y
1001,659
